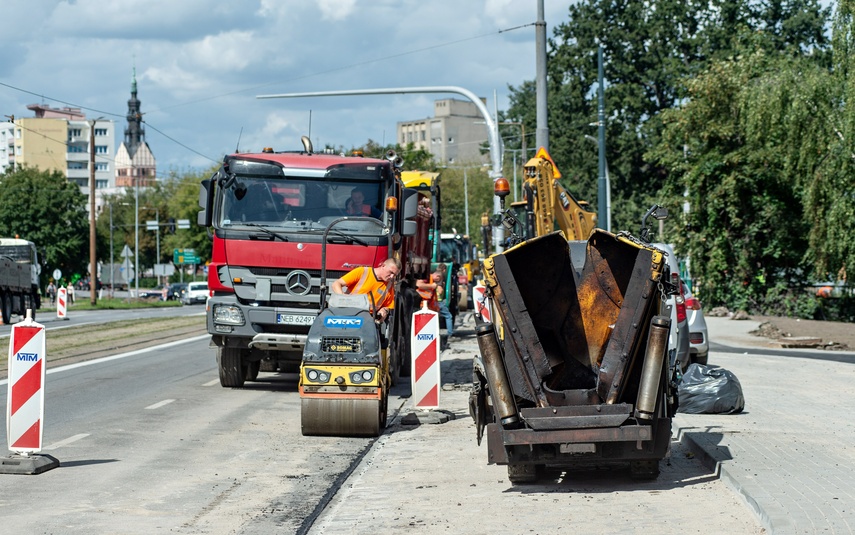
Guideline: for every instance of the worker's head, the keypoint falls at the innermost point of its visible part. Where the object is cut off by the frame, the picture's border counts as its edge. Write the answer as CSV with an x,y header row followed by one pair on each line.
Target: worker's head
x,y
388,270
436,277
357,196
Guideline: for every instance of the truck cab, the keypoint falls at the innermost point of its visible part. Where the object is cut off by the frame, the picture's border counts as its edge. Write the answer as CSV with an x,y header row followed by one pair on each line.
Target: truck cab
x,y
267,213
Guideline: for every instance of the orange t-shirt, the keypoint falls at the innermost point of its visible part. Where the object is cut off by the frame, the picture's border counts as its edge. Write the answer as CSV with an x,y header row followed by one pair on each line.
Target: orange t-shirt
x,y
361,280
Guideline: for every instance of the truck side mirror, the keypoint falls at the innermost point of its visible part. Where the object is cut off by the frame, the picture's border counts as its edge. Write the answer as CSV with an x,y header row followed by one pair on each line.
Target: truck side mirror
x,y
206,202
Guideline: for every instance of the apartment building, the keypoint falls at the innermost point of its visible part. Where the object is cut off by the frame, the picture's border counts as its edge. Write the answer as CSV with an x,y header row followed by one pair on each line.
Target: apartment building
x,y
453,135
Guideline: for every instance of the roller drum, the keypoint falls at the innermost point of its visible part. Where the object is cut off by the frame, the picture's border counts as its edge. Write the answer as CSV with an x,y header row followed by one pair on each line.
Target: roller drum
x,y
500,388
341,417
651,372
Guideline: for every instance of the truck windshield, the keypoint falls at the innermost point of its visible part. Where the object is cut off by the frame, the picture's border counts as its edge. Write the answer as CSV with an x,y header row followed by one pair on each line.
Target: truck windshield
x,y
300,203
19,253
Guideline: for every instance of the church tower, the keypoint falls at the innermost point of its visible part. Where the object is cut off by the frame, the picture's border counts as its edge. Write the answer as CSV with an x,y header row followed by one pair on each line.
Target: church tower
x,y
135,164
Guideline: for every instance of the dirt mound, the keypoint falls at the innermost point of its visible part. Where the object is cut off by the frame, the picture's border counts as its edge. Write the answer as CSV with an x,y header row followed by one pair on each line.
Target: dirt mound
x,y
832,335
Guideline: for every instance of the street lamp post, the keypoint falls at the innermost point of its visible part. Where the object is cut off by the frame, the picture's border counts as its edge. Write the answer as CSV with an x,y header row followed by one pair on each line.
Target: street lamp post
x,y
608,187
112,269
93,259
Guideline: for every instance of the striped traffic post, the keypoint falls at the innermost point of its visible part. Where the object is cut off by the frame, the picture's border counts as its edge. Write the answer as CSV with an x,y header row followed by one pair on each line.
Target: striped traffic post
x,y
61,303
482,303
425,358
25,400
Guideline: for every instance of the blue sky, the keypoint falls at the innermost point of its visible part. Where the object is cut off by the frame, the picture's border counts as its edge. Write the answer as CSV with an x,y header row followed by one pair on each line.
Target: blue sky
x,y
200,64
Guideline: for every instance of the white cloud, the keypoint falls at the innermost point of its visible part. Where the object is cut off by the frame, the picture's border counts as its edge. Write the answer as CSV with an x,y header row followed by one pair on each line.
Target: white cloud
x,y
336,9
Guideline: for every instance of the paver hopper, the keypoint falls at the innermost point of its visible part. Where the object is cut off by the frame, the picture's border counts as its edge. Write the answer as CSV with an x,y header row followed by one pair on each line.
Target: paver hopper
x,y
574,372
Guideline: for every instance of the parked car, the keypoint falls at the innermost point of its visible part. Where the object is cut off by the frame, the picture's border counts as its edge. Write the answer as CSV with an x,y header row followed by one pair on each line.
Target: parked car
x,y
176,291
699,347
197,292
157,292
678,341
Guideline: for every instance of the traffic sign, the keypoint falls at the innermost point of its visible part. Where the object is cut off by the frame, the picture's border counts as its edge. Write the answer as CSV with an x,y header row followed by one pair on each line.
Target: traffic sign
x,y
183,223
57,274
184,256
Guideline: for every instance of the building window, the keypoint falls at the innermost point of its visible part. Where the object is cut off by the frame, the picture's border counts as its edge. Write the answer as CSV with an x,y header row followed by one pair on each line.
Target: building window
x,y
17,133
77,165
101,166
101,184
451,140
424,135
100,131
100,149
74,132
75,148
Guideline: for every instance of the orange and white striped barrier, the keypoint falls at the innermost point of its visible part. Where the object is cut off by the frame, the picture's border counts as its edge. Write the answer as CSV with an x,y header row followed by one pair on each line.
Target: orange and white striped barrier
x,y
62,304
26,394
483,307
425,358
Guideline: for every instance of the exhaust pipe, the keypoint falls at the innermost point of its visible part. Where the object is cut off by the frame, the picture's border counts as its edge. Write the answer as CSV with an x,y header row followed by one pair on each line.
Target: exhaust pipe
x,y
500,389
651,372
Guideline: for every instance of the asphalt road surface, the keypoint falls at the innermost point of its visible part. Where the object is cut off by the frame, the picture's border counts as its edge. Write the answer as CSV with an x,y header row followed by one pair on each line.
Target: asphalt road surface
x,y
151,443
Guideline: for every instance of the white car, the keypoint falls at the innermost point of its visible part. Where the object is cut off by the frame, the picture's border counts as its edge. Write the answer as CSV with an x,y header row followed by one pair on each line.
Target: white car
x,y
196,292
699,346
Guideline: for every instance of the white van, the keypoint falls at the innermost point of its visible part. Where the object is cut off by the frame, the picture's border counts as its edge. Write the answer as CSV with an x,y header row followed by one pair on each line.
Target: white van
x,y
197,292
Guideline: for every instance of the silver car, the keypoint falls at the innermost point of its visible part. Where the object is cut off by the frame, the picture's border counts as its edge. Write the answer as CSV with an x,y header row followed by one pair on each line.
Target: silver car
x,y
699,347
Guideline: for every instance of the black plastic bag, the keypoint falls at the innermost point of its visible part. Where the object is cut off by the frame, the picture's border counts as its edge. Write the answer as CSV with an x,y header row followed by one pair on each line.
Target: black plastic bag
x,y
708,390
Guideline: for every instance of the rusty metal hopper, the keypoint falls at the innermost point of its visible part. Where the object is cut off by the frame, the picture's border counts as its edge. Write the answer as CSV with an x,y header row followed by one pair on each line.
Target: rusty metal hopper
x,y
573,336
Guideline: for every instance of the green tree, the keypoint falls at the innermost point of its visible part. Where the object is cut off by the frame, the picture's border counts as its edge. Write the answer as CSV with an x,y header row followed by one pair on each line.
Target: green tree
x,y
742,149
649,48
830,188
48,210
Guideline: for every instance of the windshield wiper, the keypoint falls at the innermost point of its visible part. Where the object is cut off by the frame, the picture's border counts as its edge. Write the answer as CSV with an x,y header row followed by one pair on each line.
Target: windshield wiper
x,y
348,239
266,231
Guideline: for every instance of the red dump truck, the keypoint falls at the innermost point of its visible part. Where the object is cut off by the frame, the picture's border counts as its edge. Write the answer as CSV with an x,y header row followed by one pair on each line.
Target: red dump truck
x,y
268,212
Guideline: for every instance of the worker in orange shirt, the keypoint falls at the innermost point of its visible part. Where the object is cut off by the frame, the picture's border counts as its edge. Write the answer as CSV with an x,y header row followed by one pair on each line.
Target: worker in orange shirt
x,y
379,282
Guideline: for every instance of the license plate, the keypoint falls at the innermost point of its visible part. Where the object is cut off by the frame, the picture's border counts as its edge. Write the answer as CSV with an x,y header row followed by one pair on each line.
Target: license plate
x,y
294,319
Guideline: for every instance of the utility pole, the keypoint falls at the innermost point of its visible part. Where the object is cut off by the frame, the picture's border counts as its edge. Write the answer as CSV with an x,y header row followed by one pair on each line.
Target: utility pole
x,y
93,259
542,135
603,217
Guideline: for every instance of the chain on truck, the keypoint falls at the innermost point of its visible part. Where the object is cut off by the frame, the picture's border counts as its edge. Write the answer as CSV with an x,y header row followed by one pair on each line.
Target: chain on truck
x,y
267,213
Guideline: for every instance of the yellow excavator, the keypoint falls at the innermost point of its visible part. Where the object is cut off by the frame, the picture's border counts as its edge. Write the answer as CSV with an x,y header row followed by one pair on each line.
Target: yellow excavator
x,y
548,206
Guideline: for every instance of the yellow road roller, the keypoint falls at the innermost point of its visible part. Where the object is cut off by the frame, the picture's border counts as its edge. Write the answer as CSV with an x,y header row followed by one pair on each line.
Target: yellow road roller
x,y
344,375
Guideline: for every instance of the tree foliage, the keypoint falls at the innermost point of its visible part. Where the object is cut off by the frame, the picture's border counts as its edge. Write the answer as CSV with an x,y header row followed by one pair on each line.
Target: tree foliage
x,y
48,210
649,48
736,148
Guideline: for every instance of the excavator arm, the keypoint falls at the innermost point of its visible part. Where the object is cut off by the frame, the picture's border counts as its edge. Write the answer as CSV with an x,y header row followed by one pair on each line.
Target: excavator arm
x,y
551,205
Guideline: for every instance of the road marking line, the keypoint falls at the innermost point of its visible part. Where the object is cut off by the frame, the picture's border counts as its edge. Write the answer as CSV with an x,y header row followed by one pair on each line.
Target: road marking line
x,y
212,383
67,441
159,404
121,355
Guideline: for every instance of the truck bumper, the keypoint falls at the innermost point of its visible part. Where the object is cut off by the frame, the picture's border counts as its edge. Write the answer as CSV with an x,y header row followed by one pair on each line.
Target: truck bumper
x,y
255,327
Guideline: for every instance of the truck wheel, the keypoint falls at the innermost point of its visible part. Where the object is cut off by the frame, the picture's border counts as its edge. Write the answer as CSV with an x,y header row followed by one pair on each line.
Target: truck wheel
x,y
648,470
232,369
524,474
6,307
252,369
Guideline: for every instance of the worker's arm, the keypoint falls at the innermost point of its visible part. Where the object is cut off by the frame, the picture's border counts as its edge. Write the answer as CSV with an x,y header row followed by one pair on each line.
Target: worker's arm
x,y
424,285
338,286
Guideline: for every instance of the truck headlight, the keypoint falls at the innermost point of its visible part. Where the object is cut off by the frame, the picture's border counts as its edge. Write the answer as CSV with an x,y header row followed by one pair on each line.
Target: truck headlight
x,y
228,314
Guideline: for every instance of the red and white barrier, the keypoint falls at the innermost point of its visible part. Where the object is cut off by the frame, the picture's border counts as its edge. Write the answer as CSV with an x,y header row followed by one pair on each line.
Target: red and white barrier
x,y
26,395
62,303
483,307
425,358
